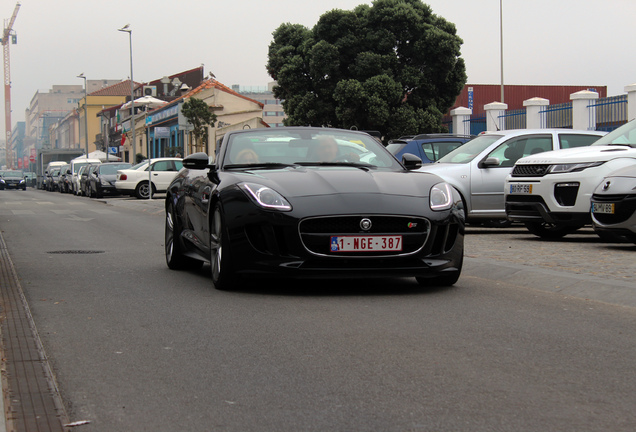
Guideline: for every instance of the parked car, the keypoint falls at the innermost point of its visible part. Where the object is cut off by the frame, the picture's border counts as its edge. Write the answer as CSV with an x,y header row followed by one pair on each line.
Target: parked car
x,y
134,181
613,208
478,169
101,180
12,179
551,193
52,177
84,176
428,147
64,179
76,164
295,202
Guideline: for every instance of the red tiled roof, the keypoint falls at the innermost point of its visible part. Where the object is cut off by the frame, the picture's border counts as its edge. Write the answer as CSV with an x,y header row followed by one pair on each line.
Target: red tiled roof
x,y
210,84
119,89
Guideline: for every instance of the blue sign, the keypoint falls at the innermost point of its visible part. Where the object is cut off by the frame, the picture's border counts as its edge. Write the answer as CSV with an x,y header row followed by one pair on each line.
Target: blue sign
x,y
112,150
470,97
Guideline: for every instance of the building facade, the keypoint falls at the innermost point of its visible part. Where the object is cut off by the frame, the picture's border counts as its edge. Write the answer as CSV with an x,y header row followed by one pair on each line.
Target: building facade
x,y
273,113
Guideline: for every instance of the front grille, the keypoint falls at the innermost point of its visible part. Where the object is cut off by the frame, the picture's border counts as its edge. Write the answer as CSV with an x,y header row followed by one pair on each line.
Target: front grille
x,y
530,170
624,208
316,233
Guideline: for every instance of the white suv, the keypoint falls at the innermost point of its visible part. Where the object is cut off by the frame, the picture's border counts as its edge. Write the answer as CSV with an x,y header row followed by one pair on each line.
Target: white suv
x,y
551,192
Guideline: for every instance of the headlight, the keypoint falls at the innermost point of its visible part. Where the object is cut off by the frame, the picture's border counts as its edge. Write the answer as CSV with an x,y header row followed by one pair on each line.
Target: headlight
x,y
441,197
573,167
266,197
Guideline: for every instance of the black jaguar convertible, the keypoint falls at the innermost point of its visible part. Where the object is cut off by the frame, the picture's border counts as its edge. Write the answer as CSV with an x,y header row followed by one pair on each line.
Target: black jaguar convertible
x,y
312,202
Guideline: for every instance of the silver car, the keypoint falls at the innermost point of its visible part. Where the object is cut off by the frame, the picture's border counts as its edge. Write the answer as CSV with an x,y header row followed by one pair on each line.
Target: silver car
x,y
478,169
613,206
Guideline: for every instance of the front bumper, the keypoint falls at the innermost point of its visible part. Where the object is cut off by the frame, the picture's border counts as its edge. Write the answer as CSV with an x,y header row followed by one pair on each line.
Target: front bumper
x,y
268,243
622,220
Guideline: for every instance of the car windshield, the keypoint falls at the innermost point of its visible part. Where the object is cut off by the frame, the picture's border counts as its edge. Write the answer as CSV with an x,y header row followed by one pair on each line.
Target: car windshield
x,y
470,150
139,165
305,147
624,135
12,174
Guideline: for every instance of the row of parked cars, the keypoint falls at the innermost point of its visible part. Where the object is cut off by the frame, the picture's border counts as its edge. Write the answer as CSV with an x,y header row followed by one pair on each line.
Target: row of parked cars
x,y
553,181
94,178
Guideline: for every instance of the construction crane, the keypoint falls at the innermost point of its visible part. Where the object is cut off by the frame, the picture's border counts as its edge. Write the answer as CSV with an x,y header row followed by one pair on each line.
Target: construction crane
x,y
8,37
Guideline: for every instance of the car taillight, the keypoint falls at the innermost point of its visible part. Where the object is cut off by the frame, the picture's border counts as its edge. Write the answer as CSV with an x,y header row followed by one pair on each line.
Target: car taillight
x,y
123,177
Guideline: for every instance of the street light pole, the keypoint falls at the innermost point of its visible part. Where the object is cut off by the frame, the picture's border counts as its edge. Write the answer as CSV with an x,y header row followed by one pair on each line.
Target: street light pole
x,y
501,48
85,112
128,30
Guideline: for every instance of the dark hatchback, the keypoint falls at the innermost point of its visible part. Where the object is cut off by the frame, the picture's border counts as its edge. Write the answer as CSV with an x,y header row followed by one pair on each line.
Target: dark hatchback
x,y
312,202
101,179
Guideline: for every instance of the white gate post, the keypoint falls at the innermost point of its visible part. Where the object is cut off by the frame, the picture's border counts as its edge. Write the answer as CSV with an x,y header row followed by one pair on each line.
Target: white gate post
x,y
535,119
495,112
583,118
631,101
461,120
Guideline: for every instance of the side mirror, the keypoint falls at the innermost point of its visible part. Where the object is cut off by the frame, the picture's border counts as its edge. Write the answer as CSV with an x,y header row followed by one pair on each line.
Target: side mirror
x,y
197,161
411,162
489,162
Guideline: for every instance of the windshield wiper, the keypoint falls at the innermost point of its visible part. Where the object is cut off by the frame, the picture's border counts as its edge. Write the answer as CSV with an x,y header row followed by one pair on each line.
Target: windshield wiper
x,y
362,166
265,165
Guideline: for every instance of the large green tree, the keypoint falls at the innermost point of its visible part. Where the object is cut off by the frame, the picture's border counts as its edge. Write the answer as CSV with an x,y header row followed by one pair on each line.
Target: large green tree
x,y
393,67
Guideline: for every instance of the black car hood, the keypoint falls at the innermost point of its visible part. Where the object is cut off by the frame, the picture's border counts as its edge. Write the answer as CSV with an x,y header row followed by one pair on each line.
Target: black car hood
x,y
312,182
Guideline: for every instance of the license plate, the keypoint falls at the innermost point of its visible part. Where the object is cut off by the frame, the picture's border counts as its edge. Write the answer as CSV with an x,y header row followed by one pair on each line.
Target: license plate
x,y
607,208
520,188
366,243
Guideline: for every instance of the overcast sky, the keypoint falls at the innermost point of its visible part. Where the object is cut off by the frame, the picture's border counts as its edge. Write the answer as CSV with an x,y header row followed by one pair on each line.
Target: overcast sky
x,y
552,42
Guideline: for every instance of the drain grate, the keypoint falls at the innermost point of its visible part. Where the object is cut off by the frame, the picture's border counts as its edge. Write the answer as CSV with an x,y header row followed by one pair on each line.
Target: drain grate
x,y
76,252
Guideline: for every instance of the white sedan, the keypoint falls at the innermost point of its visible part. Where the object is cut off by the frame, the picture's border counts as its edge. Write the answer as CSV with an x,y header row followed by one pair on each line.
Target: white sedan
x,y
134,181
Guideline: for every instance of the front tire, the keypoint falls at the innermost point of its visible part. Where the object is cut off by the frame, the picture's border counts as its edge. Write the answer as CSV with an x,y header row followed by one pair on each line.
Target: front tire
x,y
550,231
221,271
175,258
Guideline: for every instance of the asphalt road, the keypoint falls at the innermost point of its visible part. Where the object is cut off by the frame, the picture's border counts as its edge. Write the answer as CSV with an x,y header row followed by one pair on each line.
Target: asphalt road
x,y
523,341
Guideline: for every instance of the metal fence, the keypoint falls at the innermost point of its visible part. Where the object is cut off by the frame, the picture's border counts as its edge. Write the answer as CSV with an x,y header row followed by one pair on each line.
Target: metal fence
x,y
515,119
557,116
611,112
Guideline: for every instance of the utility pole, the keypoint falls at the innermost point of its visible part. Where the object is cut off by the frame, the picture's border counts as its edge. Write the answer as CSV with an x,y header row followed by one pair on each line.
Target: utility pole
x,y
6,36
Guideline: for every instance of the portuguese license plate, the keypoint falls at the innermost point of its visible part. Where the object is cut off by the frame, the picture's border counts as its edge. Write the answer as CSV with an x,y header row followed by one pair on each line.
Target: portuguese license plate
x,y
607,208
520,188
366,243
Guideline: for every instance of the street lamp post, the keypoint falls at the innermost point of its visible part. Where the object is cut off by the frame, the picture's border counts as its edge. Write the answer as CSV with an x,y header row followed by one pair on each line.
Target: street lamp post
x,y
85,112
128,30
501,48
